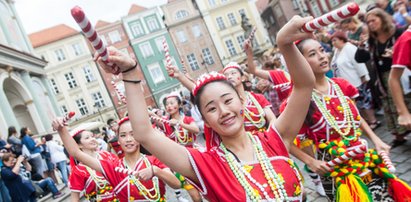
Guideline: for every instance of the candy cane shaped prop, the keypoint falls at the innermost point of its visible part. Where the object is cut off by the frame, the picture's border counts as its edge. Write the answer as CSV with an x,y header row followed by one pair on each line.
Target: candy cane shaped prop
x,y
281,85
122,96
91,34
334,16
159,119
67,117
167,55
125,171
252,34
387,161
346,156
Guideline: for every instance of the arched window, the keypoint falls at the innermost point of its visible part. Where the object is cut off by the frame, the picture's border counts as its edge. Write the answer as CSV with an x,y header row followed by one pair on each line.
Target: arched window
x,y
181,14
14,35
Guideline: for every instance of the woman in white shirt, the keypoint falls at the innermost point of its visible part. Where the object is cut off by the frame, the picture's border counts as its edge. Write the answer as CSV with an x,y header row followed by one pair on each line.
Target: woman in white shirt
x,y
58,157
345,66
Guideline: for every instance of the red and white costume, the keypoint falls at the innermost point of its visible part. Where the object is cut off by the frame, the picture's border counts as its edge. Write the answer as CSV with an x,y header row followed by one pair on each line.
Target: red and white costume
x,y
278,77
123,185
179,134
254,106
82,180
218,183
319,129
401,57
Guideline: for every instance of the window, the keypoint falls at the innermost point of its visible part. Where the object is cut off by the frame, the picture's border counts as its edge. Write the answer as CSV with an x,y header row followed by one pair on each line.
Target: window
x,y
196,31
82,106
295,4
240,40
103,38
193,62
63,109
136,29
70,80
60,54
159,44
208,58
230,47
181,14
146,50
77,49
114,36
181,36
54,85
152,23
272,21
232,19
220,23
88,74
156,73
315,8
278,11
211,3
98,100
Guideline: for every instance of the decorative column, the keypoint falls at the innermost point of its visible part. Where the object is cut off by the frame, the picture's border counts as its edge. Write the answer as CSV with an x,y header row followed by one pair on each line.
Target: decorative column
x,y
7,111
40,110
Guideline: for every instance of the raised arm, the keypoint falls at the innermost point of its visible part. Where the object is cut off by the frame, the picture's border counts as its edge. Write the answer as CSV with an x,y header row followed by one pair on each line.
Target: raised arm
x,y
72,147
188,83
173,155
250,62
290,121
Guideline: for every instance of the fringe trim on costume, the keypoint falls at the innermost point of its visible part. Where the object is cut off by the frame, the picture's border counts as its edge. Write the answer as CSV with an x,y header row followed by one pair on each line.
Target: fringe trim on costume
x,y
399,190
352,189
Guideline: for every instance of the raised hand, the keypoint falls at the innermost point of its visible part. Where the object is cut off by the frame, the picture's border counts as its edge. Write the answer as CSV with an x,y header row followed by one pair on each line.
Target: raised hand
x,y
173,71
291,31
58,124
123,61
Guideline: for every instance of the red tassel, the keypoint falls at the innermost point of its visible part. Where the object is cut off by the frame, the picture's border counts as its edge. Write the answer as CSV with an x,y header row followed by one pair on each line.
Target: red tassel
x,y
399,190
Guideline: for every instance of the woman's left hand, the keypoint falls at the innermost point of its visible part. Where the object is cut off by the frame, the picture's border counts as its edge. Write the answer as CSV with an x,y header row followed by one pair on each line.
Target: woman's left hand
x,y
174,122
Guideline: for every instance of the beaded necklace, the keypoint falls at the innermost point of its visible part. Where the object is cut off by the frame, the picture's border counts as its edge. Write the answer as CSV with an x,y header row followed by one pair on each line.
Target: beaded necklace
x,y
329,118
182,138
100,181
274,180
143,189
259,123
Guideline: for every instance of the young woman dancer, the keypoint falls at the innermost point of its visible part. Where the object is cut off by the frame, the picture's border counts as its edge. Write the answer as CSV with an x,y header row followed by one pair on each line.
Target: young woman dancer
x,y
84,178
334,125
254,167
146,184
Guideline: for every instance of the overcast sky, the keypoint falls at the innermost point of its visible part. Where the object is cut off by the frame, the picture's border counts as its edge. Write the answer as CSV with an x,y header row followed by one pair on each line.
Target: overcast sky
x,y
40,14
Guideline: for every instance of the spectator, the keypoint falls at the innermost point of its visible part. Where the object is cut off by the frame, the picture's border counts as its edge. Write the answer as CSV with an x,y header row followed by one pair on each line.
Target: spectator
x,y
102,144
14,140
46,155
34,149
58,158
4,192
20,189
385,5
402,15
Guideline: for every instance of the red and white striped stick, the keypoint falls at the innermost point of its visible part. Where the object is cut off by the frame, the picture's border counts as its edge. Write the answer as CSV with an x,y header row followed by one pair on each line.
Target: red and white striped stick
x,y
346,156
67,117
334,16
125,171
281,85
252,34
159,119
91,34
122,96
167,55
387,161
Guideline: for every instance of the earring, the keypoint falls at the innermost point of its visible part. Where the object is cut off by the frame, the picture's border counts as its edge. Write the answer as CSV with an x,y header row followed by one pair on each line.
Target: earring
x,y
241,112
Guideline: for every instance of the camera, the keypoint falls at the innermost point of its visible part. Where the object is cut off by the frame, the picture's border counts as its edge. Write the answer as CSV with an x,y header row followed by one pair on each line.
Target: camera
x,y
25,156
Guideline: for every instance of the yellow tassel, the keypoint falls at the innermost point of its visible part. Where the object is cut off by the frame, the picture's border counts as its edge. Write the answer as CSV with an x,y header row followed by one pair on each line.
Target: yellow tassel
x,y
359,191
343,194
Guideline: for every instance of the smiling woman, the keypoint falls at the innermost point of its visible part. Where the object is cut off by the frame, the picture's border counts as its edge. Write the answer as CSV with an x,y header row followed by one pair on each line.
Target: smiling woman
x,y
272,175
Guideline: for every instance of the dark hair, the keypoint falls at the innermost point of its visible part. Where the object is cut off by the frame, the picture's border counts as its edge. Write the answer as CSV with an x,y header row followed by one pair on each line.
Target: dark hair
x,y
311,109
201,89
48,137
78,137
7,156
177,98
109,121
23,132
269,65
12,130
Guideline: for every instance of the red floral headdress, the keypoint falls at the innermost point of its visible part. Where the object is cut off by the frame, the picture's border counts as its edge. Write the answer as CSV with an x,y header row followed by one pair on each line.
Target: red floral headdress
x,y
205,79
75,133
